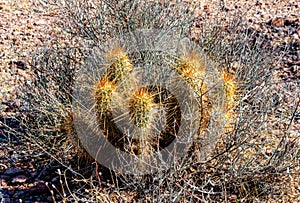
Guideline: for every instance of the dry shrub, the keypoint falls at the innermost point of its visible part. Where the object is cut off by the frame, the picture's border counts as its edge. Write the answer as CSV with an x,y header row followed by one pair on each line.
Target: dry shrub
x,y
254,157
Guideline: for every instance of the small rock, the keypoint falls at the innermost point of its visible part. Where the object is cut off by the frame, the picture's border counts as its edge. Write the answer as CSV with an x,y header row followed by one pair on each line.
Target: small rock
x,y
277,22
40,22
295,36
265,16
232,197
20,65
257,27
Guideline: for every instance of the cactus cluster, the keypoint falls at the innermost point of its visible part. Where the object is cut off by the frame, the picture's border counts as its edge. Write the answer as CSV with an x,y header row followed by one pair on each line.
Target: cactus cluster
x,y
214,89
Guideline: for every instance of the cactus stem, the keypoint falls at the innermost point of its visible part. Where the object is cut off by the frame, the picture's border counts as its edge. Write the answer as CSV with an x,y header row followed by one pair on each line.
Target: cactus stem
x,y
103,94
120,65
140,107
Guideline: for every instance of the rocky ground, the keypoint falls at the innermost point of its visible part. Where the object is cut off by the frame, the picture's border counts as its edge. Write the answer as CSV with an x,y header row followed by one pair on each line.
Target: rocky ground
x,y
26,25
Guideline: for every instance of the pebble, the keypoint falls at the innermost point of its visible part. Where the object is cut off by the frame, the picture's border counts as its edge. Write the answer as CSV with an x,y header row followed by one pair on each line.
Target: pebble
x,y
295,36
277,22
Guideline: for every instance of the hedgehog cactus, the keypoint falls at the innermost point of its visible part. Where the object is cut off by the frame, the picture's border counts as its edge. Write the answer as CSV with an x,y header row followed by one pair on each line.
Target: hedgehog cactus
x,y
214,89
230,95
193,70
120,65
104,90
140,106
